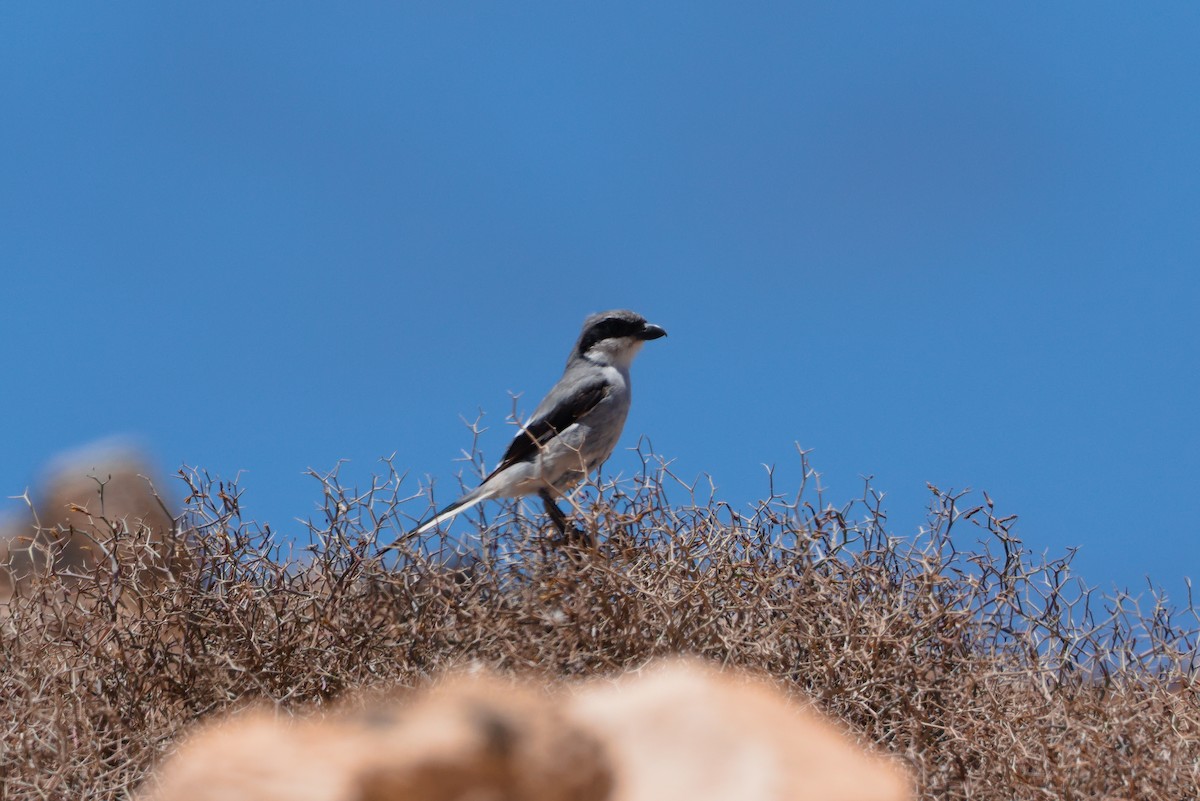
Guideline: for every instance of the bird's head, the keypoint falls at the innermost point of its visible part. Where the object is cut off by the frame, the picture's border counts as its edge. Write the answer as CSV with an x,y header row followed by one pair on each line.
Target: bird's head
x,y
614,337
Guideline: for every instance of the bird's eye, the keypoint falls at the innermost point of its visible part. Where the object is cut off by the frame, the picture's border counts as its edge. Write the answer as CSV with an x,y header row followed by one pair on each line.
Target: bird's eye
x,y
618,327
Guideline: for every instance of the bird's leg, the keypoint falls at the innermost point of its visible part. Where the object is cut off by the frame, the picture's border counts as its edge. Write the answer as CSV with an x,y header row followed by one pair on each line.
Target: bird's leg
x,y
568,533
556,515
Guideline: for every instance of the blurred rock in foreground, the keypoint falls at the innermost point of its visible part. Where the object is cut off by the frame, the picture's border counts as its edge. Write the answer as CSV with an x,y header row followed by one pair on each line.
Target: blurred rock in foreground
x,y
676,730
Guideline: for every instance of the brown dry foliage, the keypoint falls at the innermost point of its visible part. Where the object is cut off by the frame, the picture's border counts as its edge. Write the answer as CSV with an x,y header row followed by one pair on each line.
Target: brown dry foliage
x,y
993,674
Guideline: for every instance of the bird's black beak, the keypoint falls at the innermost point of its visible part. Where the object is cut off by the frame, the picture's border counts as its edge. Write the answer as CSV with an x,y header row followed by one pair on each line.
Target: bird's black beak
x,y
651,331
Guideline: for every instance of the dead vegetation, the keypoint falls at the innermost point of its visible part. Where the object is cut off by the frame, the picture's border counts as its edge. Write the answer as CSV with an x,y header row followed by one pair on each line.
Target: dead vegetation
x,y
992,674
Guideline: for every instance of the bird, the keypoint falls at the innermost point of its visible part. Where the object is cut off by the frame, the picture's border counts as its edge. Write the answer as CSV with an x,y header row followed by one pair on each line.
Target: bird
x,y
576,426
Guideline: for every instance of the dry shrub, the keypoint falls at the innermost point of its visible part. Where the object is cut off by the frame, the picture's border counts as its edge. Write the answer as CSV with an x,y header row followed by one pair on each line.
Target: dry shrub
x,y
991,673
96,506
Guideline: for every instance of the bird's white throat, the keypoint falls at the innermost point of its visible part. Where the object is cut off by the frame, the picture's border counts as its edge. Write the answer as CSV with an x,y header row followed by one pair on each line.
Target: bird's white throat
x,y
618,353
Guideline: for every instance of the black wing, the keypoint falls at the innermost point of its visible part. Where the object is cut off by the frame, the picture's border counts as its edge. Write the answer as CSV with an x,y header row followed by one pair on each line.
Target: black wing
x,y
558,418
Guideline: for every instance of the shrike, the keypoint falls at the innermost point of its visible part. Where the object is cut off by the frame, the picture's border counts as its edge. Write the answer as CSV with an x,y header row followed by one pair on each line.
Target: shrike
x,y
575,427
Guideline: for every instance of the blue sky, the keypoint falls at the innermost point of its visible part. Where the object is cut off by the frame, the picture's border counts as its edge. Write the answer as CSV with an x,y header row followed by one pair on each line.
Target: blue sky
x,y
943,242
